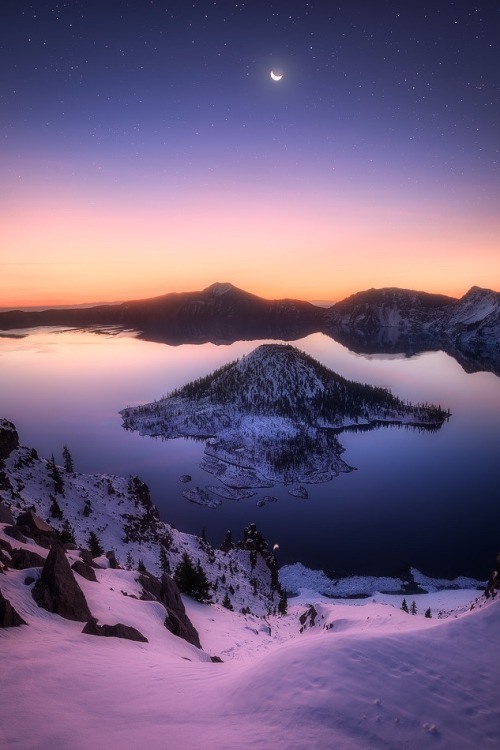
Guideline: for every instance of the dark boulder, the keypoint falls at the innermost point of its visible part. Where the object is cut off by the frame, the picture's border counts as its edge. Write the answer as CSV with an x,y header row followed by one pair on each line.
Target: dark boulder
x,y
494,581
308,618
167,593
177,620
41,540
6,515
5,545
88,559
34,526
41,595
113,562
84,570
114,631
151,587
25,558
9,618
15,533
57,590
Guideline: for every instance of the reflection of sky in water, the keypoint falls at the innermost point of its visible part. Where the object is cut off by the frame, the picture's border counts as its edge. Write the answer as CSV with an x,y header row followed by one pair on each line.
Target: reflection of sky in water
x,y
428,499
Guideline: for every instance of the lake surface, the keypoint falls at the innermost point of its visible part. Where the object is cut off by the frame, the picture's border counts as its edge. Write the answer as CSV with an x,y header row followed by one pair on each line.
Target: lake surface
x,y
428,499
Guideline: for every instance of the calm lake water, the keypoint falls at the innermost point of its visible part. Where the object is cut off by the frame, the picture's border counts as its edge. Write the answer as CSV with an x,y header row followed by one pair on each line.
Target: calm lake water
x,y
428,499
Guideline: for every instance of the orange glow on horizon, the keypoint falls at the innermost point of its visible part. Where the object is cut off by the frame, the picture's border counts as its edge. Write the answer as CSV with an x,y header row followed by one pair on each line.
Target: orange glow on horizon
x,y
109,294
70,251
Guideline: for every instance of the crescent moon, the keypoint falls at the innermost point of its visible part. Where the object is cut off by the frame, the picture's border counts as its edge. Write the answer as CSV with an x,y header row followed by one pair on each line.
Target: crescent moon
x,y
276,76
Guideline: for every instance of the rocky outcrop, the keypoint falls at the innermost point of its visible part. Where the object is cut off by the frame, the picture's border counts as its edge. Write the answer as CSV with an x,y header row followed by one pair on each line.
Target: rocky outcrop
x,y
111,556
141,525
9,439
151,587
85,570
9,618
254,541
177,620
57,590
35,527
494,581
114,631
167,593
15,533
21,559
88,559
308,618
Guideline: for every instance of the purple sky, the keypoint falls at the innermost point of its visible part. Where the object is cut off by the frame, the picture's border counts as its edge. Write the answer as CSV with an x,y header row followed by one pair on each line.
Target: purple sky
x,y
145,148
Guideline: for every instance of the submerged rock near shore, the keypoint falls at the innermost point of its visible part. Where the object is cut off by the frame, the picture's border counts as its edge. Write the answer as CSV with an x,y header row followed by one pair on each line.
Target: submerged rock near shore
x,y
274,416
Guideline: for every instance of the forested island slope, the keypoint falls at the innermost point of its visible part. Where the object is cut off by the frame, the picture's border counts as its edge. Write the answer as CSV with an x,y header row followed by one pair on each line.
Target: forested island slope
x,y
273,416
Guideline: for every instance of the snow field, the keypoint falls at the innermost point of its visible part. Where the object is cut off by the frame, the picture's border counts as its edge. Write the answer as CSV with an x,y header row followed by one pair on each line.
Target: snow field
x,y
365,675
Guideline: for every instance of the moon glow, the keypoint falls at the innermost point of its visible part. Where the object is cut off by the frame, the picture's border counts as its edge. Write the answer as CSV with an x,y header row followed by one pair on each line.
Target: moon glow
x,y
276,76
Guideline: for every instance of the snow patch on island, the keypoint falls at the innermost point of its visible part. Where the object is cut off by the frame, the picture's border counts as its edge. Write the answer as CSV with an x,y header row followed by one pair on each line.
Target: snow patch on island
x,y
274,417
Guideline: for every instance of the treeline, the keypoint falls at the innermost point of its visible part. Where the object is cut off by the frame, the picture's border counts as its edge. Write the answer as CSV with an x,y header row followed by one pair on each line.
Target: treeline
x,y
282,381
288,455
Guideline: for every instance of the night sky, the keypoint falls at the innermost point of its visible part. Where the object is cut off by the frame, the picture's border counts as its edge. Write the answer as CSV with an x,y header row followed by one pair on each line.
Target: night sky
x,y
146,149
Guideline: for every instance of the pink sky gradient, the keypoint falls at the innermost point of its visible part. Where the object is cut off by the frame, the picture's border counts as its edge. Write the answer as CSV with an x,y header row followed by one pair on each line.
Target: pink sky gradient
x,y
64,244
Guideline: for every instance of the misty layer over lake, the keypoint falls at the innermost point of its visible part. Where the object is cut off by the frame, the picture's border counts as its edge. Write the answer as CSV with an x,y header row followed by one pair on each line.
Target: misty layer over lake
x,y
422,498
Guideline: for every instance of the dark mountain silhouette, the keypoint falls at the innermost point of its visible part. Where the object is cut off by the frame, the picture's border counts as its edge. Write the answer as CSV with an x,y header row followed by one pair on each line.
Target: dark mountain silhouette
x,y
387,320
221,313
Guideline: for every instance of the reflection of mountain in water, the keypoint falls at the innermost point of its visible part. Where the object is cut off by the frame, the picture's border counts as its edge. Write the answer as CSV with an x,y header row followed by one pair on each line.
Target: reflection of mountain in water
x,y
273,416
375,321
219,314
383,321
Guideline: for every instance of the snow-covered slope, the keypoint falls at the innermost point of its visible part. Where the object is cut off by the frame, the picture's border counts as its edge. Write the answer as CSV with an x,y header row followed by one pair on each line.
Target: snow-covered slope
x,y
119,511
475,319
352,674
389,308
418,312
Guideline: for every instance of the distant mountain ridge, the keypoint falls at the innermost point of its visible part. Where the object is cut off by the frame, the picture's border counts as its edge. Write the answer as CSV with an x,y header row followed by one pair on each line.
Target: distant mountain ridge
x,y
405,321
221,313
373,321
407,309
